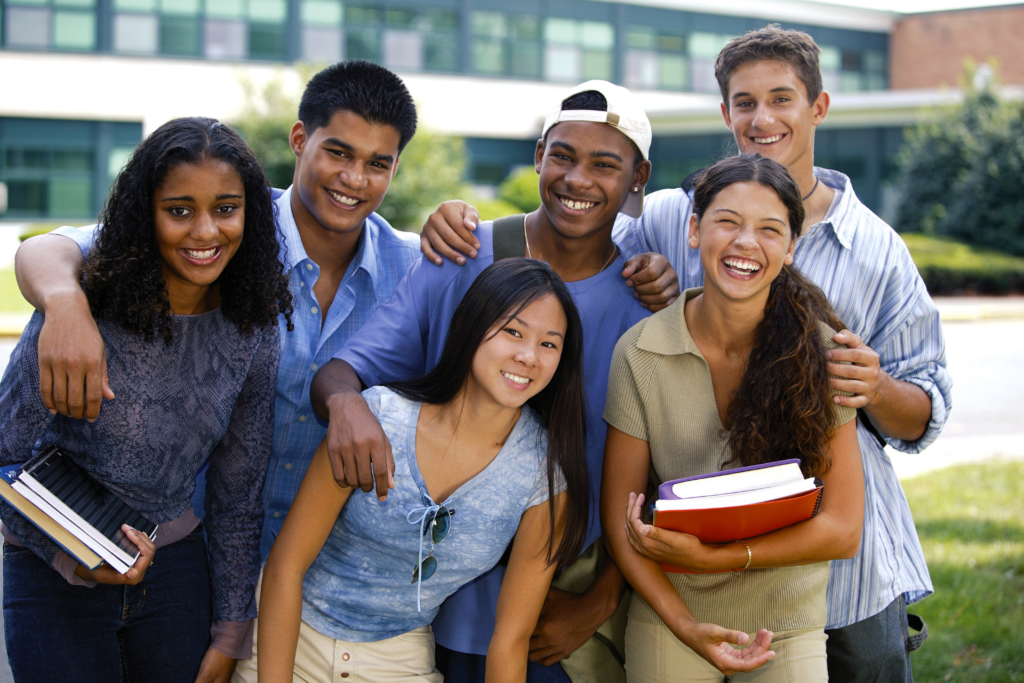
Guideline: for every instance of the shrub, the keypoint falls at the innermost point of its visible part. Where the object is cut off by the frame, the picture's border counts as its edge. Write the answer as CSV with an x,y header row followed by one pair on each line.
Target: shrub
x,y
951,267
521,189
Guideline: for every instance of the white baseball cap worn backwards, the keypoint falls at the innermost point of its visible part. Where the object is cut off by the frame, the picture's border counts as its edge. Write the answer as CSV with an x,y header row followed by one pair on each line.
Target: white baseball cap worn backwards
x,y
624,114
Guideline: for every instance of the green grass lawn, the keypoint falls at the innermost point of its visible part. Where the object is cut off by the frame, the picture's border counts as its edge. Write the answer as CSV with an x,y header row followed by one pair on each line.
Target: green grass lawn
x,y
971,522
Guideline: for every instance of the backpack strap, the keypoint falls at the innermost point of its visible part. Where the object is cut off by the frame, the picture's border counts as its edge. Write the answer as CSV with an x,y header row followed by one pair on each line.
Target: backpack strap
x,y
509,235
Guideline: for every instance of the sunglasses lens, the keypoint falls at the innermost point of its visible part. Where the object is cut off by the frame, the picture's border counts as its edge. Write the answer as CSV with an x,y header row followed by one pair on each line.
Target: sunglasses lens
x,y
441,526
427,568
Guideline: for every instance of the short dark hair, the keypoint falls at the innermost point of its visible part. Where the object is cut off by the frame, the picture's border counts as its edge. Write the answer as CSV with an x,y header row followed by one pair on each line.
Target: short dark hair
x,y
772,43
123,276
592,100
497,295
363,88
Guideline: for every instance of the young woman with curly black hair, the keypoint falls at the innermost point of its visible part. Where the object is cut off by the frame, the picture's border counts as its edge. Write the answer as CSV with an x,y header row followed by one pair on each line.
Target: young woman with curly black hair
x,y
187,252
730,375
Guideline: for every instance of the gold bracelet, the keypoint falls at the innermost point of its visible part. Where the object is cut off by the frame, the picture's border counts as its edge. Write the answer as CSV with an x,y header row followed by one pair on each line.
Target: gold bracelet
x,y
750,557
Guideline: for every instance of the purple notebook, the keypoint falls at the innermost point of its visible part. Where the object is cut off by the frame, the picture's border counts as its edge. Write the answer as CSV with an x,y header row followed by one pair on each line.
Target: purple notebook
x,y
665,490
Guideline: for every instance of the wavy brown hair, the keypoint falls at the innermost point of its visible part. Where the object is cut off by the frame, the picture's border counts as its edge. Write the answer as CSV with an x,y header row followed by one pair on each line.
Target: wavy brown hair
x,y
783,407
123,276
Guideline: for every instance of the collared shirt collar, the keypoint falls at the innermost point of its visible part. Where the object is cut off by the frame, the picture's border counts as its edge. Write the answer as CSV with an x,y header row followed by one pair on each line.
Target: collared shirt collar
x,y
295,252
666,333
837,217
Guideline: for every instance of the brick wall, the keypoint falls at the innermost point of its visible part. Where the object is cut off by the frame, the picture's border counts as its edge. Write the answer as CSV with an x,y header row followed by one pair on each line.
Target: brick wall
x,y
928,50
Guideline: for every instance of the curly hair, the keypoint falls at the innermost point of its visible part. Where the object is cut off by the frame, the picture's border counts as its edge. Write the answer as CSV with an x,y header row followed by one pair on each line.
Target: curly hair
x,y
783,407
123,276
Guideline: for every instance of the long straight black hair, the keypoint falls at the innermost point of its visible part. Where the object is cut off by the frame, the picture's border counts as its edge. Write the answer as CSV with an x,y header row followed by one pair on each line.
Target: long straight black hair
x,y
499,293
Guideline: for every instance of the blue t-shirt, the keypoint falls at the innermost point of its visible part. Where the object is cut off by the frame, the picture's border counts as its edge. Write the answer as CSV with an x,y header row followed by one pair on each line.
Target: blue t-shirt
x,y
404,338
358,589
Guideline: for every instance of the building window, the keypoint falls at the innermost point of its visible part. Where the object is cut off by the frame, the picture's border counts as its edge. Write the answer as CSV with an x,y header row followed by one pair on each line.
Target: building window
x,y
853,70
418,40
50,24
322,37
704,49
577,50
655,59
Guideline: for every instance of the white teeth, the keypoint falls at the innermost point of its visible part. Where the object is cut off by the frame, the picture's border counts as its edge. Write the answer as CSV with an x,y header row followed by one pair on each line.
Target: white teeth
x,y
343,199
515,378
768,141
744,265
576,206
200,255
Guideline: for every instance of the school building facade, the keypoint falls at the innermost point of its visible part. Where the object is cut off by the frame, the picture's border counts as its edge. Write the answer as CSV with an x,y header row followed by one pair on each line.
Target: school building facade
x,y
82,81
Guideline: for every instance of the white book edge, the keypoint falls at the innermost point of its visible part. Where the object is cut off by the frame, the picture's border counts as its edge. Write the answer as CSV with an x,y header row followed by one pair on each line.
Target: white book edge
x,y
29,510
726,483
740,498
67,512
47,509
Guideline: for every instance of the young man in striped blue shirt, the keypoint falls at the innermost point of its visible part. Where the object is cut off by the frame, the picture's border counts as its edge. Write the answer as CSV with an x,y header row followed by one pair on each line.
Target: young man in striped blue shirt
x,y
773,101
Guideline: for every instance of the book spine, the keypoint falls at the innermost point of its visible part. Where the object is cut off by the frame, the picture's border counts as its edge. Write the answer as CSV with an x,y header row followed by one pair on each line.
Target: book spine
x,y
47,509
88,529
817,503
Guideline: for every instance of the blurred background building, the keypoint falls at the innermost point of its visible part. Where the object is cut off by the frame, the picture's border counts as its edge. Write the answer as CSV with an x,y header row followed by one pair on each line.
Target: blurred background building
x,y
81,81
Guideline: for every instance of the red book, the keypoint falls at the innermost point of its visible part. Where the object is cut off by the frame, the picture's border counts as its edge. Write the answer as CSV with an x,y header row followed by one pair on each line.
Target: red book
x,y
713,520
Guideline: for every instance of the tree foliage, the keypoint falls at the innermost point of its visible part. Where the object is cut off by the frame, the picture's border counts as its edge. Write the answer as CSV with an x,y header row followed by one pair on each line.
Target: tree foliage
x,y
962,170
430,169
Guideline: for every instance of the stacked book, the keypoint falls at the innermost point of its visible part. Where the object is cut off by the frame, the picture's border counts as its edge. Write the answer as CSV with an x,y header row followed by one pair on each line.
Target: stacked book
x,y
737,504
76,511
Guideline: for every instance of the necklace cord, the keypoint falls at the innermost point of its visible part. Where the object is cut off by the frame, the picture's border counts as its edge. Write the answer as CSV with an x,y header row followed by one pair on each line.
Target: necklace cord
x,y
803,199
615,248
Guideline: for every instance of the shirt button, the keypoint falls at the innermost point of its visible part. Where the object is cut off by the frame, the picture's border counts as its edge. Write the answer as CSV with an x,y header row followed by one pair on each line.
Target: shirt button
x,y
344,674
309,266
313,310
287,465
345,657
301,284
302,418
276,515
313,367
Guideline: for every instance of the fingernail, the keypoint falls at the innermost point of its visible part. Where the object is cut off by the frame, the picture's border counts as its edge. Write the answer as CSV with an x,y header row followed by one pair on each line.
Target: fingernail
x,y
461,261
437,262
53,412
476,245
472,254
382,498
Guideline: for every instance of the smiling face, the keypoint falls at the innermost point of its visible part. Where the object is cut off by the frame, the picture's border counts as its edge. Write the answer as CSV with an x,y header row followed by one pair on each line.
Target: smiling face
x,y
199,216
519,357
342,170
744,239
769,114
586,173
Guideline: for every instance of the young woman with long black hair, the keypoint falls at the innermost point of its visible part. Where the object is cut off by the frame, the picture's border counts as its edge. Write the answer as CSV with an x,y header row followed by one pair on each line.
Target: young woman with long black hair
x,y
185,284
480,444
730,375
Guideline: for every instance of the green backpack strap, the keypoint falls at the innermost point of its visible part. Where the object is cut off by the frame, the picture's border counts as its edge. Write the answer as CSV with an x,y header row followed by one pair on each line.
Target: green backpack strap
x,y
509,235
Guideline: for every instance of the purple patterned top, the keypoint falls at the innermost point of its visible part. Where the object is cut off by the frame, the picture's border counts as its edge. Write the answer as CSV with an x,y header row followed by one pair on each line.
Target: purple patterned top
x,y
208,395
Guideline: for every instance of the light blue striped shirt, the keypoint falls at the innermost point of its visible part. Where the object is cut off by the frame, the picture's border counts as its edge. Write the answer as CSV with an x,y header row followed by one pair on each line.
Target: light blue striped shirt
x,y
382,260
867,274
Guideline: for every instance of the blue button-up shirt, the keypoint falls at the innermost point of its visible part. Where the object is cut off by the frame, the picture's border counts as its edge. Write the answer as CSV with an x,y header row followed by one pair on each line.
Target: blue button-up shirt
x,y
868,276
383,258
381,261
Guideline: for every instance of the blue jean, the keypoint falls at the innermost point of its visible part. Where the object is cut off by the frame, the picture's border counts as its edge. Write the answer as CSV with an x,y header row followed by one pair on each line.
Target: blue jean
x,y
875,650
460,667
154,632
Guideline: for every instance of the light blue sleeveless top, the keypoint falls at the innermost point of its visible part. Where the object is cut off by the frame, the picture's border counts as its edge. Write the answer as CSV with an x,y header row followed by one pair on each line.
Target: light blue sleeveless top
x,y
360,587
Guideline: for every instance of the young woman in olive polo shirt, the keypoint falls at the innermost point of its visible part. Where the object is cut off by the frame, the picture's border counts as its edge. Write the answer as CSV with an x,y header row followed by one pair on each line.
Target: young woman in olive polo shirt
x,y
733,374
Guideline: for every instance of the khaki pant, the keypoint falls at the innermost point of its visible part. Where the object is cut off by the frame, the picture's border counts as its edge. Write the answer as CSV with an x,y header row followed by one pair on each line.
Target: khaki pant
x,y
655,655
408,658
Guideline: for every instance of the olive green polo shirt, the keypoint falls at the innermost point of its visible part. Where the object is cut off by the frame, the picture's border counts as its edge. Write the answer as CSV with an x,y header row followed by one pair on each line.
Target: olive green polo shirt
x,y
660,391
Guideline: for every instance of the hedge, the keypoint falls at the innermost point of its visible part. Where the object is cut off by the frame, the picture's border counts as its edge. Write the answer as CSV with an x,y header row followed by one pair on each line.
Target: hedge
x,y
951,267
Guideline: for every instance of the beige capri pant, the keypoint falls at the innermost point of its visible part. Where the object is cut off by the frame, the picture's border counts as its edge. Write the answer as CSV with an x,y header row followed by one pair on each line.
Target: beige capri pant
x,y
655,655
408,658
